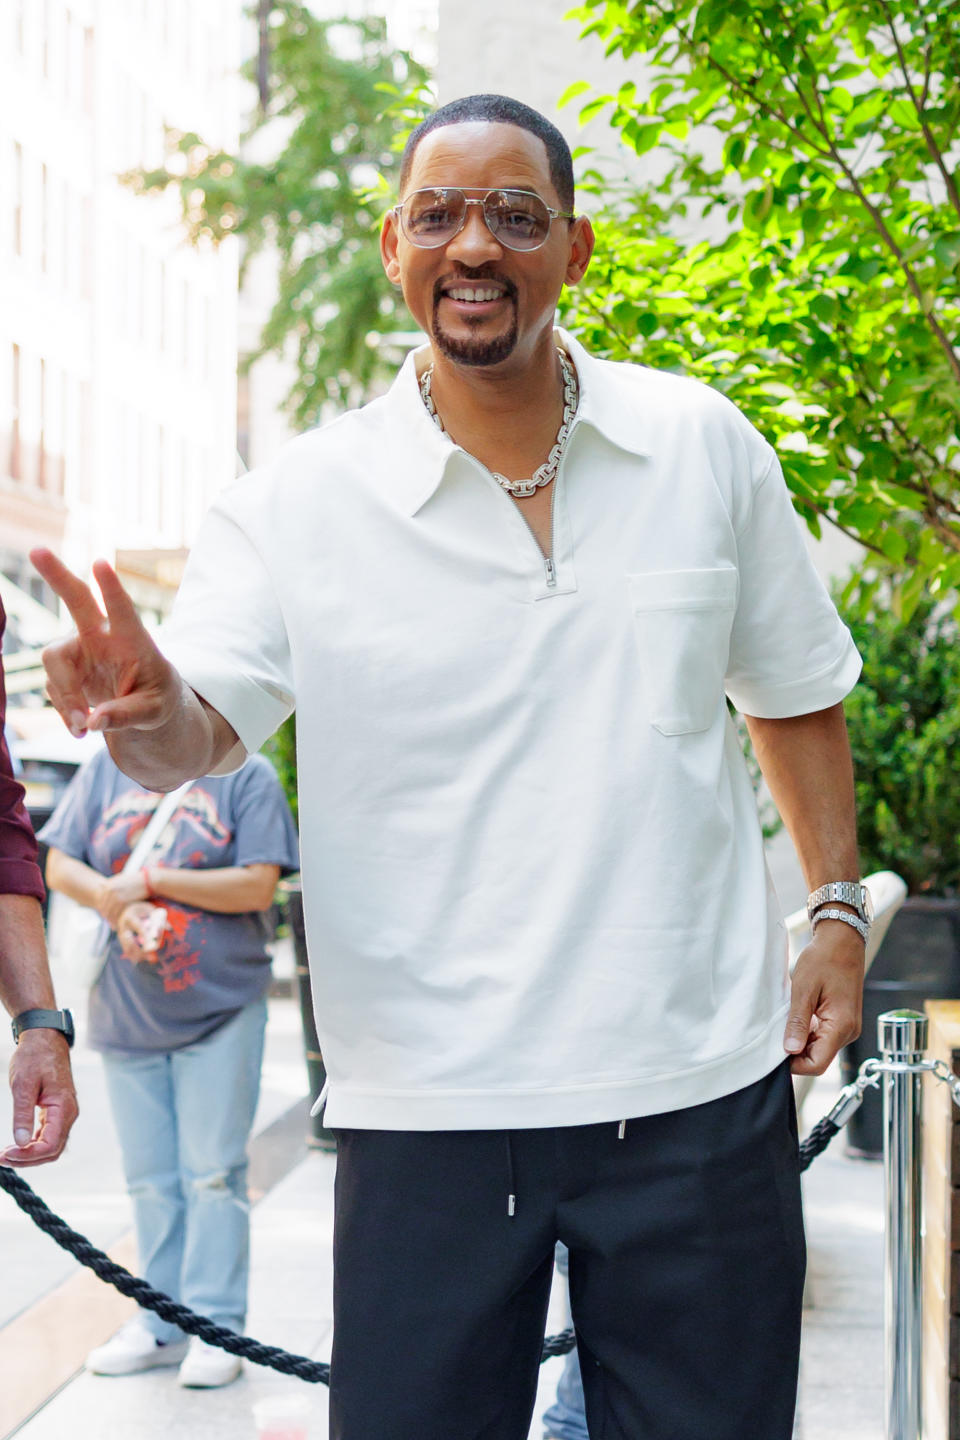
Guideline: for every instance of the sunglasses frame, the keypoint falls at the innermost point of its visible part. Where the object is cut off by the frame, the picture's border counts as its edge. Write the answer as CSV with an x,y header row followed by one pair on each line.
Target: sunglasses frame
x,y
482,202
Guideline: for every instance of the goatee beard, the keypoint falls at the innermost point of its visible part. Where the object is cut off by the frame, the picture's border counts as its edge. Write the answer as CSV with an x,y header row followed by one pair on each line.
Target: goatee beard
x,y
473,352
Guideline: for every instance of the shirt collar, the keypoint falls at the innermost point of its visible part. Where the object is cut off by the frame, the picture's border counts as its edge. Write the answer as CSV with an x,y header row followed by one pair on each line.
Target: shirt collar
x,y
418,452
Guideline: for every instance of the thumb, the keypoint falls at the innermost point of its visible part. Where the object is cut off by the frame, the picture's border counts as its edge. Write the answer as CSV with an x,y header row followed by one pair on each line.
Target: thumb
x,y
24,1102
797,1033
136,711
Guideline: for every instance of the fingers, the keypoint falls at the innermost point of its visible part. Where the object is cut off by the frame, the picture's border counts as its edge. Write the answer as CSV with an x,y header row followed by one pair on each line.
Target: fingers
x,y
44,1109
47,1142
77,596
66,669
121,611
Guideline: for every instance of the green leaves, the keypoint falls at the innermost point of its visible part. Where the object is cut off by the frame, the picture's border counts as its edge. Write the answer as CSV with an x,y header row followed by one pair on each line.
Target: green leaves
x,y
832,274
345,100
904,724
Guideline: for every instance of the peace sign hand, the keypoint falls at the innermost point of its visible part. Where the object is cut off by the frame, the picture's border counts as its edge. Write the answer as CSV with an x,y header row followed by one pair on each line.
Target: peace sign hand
x,y
110,675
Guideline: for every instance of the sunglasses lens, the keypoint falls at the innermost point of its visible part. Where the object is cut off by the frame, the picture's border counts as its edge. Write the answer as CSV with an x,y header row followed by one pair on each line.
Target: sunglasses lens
x,y
519,221
432,217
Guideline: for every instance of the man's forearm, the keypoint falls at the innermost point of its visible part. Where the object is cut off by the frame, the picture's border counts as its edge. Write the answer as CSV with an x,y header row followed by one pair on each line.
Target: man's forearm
x,y
805,760
25,982
196,740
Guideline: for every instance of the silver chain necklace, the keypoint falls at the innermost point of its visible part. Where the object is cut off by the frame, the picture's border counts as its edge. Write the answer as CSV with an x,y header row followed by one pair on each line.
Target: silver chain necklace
x,y
546,472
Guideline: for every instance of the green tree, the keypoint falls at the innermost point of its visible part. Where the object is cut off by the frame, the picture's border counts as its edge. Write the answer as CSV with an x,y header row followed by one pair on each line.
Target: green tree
x,y
827,300
336,107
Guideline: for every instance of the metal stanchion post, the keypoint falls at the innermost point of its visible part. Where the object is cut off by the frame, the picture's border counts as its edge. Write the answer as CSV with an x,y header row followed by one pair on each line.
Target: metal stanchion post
x,y
902,1036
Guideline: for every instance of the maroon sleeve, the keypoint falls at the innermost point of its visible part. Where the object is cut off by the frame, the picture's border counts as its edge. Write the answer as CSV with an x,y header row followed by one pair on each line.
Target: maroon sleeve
x,y
19,871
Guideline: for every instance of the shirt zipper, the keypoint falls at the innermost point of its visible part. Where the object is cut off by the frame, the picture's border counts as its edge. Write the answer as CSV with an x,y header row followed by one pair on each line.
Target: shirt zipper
x,y
550,569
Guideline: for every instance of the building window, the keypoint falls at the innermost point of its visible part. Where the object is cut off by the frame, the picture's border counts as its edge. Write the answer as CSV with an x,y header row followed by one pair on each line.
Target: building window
x,y
17,198
86,245
44,217
16,459
42,447
85,459
88,69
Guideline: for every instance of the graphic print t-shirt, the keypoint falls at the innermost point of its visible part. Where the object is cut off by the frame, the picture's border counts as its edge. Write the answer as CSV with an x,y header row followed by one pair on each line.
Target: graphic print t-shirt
x,y
208,965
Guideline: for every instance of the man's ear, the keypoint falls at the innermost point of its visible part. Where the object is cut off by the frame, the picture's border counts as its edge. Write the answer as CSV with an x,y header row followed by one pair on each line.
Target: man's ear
x,y
582,243
389,235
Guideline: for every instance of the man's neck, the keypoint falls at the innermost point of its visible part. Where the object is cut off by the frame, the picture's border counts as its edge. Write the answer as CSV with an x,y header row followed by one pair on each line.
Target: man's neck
x,y
506,416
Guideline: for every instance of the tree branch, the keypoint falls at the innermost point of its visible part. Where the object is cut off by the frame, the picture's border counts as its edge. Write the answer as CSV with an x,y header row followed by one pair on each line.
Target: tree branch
x,y
934,149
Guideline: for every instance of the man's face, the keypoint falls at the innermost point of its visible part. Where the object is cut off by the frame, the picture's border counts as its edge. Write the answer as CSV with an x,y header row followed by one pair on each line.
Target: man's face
x,y
480,302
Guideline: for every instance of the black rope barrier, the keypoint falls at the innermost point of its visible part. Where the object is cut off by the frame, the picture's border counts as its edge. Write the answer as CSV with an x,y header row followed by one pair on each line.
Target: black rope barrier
x,y
313,1371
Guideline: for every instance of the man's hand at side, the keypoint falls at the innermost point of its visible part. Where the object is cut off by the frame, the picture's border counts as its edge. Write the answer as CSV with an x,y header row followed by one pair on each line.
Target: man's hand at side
x,y
40,1069
40,1081
825,1000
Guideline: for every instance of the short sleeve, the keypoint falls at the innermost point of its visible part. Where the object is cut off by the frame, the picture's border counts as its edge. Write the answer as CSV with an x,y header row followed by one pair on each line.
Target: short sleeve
x,y
263,828
70,827
790,653
226,635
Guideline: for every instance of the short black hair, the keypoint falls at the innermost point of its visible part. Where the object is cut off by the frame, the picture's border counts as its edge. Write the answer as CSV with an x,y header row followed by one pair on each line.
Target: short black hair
x,y
501,110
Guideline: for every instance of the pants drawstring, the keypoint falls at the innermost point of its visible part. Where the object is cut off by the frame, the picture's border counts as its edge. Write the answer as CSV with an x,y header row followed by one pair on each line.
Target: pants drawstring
x,y
511,1183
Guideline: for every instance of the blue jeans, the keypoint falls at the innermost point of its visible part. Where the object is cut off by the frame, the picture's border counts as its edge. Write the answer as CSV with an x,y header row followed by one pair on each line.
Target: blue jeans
x,y
183,1118
566,1419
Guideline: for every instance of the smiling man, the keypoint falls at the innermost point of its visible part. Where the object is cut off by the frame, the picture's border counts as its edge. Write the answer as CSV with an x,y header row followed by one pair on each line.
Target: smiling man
x,y
509,600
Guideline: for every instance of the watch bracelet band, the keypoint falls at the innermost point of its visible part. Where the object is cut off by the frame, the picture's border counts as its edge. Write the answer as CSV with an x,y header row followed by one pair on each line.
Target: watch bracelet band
x,y
861,926
838,892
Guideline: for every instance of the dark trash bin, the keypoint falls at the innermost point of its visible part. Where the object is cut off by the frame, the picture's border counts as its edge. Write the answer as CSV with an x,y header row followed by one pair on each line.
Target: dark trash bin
x,y
918,960
318,1136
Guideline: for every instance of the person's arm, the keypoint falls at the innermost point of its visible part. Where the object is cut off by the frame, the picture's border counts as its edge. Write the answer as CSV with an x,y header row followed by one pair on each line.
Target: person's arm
x,y
229,890
111,677
40,1078
805,760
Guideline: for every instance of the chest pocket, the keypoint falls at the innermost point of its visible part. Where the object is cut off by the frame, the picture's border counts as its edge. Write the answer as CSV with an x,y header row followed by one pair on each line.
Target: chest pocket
x,y
682,620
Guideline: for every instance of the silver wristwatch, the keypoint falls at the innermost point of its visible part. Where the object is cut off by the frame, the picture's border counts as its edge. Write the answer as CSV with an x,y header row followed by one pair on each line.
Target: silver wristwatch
x,y
842,892
827,913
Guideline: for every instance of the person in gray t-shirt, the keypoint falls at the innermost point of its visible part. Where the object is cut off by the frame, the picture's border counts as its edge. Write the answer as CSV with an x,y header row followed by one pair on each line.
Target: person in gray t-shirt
x,y
178,1014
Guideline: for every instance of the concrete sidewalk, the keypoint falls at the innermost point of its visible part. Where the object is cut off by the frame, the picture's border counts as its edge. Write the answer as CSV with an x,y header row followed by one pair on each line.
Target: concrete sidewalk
x,y
291,1295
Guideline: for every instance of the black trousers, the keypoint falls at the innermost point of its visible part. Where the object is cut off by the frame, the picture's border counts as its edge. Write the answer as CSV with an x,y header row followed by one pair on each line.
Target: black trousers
x,y
686,1274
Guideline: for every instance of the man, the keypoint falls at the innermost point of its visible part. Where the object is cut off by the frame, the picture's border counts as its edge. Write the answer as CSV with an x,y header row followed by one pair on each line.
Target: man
x,y
44,1100
507,599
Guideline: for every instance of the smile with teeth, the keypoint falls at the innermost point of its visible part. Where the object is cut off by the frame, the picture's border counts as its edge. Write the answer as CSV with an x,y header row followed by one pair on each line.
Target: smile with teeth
x,y
475,293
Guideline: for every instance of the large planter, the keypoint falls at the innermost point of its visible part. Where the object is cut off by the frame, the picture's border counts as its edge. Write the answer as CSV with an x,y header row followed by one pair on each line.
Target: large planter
x,y
318,1136
918,960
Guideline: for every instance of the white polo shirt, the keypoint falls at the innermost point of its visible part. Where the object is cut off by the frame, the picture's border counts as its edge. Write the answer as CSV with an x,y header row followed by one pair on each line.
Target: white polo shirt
x,y
534,882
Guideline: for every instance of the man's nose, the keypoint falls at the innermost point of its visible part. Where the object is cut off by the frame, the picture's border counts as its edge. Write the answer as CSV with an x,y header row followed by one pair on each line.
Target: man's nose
x,y
474,244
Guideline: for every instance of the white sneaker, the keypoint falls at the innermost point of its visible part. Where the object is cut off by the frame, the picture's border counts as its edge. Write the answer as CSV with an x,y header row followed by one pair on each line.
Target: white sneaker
x,y
132,1349
206,1366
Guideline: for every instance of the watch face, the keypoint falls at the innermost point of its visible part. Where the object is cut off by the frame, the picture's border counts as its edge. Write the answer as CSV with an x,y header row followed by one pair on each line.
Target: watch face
x,y
867,904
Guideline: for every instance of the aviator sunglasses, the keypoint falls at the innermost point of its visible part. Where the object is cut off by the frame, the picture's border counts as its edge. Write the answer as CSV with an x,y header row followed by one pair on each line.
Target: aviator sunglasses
x,y
519,219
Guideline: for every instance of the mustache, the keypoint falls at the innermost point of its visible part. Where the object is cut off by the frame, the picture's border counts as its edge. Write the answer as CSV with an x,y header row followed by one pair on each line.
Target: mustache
x,y
483,272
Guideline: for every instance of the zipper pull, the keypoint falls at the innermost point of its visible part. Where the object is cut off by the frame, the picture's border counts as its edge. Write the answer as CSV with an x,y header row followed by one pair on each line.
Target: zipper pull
x,y
550,568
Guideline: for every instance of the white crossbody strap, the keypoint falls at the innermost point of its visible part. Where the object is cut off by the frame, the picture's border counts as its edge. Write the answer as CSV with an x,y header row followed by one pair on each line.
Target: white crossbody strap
x,y
154,827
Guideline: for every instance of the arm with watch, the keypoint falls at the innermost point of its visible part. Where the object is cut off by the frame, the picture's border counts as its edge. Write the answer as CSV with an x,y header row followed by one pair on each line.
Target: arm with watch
x,y
44,1098
805,761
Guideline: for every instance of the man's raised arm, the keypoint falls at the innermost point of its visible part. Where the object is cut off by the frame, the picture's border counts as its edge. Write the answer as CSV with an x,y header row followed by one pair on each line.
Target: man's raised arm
x,y
111,677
